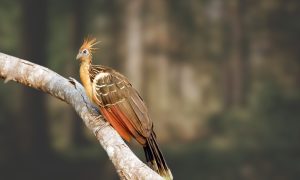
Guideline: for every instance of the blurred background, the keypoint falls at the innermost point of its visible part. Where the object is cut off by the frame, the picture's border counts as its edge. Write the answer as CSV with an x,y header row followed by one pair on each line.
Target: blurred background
x,y
221,80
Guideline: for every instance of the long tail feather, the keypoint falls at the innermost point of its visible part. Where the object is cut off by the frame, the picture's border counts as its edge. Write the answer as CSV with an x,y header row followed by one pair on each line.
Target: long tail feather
x,y
155,158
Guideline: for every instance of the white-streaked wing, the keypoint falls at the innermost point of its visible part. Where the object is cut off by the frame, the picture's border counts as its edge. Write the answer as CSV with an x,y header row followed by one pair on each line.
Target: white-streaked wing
x,y
112,91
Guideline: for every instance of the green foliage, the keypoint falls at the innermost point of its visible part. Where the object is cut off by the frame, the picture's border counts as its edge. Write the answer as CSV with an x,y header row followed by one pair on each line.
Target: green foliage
x,y
271,120
262,138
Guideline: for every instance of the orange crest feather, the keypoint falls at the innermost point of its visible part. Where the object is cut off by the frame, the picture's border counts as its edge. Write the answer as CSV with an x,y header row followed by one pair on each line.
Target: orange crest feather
x,y
89,44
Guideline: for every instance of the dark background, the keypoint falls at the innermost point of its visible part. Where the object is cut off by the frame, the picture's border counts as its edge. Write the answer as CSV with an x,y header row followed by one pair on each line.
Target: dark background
x,y
221,80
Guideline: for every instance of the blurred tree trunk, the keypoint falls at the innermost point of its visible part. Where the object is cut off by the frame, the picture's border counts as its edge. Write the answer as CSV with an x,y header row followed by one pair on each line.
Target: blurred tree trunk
x,y
133,42
157,45
115,11
34,135
79,26
8,135
236,69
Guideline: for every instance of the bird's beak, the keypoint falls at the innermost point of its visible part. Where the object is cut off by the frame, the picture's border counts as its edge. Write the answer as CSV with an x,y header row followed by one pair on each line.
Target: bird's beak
x,y
78,56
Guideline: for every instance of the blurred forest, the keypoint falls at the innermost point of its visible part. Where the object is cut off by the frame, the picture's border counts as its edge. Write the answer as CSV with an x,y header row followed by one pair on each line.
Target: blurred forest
x,y
221,80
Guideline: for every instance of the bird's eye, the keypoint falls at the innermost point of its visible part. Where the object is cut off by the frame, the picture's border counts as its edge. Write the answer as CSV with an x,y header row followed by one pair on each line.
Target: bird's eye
x,y
85,51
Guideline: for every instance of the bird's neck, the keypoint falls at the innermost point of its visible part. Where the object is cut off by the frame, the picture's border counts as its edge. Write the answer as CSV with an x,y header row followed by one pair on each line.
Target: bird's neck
x,y
85,78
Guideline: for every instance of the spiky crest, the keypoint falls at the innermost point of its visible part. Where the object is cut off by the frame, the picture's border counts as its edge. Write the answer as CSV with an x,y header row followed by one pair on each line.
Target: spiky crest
x,y
89,44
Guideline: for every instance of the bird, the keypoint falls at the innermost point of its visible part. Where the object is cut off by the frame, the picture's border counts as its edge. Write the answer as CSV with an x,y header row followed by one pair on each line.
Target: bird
x,y
121,105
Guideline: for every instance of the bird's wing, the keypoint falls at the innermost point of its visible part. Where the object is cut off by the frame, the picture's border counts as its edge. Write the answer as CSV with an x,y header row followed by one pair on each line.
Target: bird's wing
x,y
121,104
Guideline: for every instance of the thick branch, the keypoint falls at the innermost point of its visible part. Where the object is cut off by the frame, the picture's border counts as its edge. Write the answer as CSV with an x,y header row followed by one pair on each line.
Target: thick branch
x,y
126,163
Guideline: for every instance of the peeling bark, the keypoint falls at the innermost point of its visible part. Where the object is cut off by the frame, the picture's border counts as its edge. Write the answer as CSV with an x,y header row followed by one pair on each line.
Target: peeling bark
x,y
24,72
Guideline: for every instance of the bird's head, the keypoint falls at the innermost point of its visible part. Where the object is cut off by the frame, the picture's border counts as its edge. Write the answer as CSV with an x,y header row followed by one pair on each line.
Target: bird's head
x,y
86,49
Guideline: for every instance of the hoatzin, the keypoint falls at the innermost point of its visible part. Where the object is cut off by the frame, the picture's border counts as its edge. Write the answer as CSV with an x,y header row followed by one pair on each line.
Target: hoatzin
x,y
121,105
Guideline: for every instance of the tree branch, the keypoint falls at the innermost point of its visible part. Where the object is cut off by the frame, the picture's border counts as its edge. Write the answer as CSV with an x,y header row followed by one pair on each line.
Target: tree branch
x,y
24,72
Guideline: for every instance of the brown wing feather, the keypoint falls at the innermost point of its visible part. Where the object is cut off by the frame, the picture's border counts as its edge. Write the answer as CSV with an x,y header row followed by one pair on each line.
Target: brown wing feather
x,y
115,95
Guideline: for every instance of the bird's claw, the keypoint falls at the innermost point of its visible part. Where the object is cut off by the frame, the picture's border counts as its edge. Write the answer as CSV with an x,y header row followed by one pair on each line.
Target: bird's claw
x,y
73,81
101,125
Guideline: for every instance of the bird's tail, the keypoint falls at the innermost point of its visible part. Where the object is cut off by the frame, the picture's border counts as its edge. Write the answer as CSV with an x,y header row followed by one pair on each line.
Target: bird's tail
x,y
155,158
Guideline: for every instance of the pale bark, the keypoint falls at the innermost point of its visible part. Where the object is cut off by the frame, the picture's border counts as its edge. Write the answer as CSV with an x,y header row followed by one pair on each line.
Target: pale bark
x,y
126,163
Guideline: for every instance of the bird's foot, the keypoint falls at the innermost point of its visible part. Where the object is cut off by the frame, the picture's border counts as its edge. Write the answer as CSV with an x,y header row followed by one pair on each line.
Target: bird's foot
x,y
74,82
100,125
